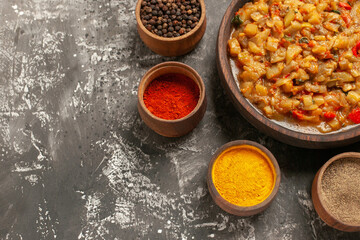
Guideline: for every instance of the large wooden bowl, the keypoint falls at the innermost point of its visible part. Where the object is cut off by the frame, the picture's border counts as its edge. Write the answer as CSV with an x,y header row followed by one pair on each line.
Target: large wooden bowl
x,y
178,127
176,46
293,136
235,209
317,196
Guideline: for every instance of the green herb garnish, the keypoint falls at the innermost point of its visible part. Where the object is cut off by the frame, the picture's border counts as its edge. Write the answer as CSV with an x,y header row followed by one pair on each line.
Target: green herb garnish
x,y
303,40
298,81
237,21
289,39
336,11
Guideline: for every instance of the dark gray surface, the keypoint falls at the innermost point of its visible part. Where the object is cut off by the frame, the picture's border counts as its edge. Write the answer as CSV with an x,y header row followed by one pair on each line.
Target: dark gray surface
x,y
76,160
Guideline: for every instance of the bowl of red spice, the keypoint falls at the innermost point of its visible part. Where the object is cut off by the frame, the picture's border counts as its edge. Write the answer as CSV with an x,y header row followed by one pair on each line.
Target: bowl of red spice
x,y
336,192
243,177
171,99
171,27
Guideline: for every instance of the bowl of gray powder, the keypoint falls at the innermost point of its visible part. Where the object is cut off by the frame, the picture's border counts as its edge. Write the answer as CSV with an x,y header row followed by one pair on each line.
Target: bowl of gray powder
x,y
336,192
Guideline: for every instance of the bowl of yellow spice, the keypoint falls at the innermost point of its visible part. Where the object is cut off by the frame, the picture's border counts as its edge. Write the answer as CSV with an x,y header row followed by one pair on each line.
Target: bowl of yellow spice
x,y
243,177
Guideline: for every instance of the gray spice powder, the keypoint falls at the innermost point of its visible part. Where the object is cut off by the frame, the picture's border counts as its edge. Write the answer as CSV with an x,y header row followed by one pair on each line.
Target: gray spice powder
x,y
340,187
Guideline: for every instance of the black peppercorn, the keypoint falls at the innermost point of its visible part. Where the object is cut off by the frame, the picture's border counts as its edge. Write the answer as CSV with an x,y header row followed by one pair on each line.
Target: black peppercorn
x,y
170,18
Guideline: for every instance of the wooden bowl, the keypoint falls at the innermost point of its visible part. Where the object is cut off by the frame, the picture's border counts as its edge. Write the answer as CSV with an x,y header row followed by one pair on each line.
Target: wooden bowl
x,y
317,196
295,136
176,46
178,127
235,209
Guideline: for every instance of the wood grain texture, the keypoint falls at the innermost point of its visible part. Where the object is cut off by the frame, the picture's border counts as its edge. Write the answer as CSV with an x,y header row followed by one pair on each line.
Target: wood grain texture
x,y
178,127
235,209
289,136
172,46
317,196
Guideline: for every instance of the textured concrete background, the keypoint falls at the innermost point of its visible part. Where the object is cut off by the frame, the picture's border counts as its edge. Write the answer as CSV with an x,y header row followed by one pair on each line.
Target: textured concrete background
x,y
77,162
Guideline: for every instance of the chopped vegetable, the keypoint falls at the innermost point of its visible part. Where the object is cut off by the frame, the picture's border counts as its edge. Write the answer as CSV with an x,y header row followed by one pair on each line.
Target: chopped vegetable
x,y
251,29
356,49
289,17
345,5
292,52
320,49
312,43
237,21
336,11
328,55
298,114
347,19
355,115
329,116
289,39
272,44
304,40
315,18
234,47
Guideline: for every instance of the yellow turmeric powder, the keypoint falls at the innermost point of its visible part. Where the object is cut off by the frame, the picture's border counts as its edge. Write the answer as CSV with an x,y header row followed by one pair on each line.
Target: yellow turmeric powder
x,y
243,175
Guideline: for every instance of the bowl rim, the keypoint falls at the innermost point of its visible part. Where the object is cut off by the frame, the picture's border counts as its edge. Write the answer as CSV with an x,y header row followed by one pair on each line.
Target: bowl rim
x,y
322,140
173,39
236,208
319,181
199,82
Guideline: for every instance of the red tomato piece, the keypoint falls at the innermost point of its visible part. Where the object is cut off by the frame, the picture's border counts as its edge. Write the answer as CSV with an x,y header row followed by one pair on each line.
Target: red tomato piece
x,y
298,114
329,116
355,115
356,49
312,43
346,18
345,5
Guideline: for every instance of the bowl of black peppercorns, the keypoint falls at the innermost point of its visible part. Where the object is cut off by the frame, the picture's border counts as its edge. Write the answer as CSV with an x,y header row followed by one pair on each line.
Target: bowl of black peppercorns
x,y
171,27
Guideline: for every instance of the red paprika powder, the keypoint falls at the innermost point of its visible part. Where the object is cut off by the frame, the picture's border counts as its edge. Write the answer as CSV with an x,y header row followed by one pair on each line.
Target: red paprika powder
x,y
171,96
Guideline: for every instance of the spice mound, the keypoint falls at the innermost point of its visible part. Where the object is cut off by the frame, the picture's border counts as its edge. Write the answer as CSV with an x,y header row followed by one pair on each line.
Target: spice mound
x,y
170,18
244,175
341,191
171,96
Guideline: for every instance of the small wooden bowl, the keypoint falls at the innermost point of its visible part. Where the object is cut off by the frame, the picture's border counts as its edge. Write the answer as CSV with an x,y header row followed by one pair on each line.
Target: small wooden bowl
x,y
178,127
235,209
290,135
176,46
317,196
